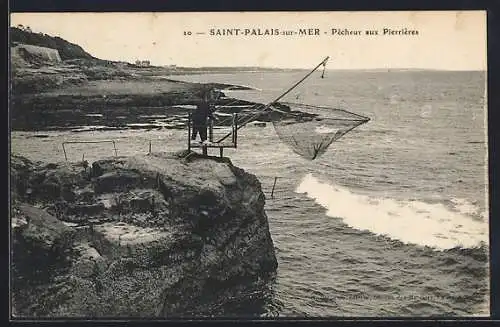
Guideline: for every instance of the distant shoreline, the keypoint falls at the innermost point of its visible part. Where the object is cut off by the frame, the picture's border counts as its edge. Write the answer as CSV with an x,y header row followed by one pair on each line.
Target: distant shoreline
x,y
73,95
77,93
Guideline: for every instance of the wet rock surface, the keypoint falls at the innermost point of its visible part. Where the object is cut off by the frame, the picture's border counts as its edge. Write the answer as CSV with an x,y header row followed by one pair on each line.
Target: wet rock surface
x,y
144,236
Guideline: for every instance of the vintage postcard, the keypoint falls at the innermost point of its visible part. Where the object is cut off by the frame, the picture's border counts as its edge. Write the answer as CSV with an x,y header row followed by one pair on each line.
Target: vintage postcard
x,y
249,165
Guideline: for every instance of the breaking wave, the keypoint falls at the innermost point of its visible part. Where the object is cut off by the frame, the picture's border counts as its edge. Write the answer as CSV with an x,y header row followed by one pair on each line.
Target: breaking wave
x,y
413,222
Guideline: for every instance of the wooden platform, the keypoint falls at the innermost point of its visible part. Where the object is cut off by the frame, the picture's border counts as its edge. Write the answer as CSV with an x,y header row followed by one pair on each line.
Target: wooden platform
x,y
228,141
213,145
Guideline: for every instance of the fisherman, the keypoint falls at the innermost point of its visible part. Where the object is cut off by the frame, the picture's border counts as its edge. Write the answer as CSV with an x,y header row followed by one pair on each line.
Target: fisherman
x,y
204,111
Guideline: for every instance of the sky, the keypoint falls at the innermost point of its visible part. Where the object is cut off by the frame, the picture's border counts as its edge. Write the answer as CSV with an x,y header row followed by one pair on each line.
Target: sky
x,y
446,40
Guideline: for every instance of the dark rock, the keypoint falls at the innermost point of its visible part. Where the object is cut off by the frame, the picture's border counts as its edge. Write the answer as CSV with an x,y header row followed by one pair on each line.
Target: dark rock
x,y
86,194
142,201
158,235
43,230
106,165
41,251
116,181
84,209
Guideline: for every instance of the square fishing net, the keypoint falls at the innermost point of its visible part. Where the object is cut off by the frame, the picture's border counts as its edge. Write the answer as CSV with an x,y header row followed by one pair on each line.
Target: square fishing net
x,y
309,130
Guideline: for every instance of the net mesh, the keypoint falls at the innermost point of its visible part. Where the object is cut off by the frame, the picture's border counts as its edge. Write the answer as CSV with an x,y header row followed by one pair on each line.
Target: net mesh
x,y
309,130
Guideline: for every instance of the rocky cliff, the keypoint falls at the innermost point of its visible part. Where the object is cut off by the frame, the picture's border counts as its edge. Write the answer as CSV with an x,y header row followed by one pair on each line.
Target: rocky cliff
x,y
67,50
145,236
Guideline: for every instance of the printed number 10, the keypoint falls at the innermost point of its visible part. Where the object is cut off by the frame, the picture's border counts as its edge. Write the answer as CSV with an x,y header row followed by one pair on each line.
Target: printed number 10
x,y
187,32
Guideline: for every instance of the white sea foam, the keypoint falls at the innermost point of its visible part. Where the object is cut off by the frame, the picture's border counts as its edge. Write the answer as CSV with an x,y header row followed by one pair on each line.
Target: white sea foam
x,y
426,111
414,222
467,208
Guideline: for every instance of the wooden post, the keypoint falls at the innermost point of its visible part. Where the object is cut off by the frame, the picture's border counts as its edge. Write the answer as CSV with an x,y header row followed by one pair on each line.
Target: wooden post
x,y
88,142
274,185
64,150
189,133
221,151
232,129
149,146
204,148
211,130
114,147
235,130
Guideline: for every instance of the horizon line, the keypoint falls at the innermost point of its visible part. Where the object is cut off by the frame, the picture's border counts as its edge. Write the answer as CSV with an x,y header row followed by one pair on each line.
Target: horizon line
x,y
328,69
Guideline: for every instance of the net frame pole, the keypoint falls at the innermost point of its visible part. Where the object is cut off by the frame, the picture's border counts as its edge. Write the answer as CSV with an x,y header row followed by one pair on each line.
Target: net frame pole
x,y
278,98
297,83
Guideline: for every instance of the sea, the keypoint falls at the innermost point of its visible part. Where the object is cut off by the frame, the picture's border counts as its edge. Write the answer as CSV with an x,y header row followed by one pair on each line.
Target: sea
x,y
391,221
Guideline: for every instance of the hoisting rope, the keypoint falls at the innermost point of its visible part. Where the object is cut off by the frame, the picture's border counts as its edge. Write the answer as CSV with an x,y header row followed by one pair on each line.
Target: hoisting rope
x,y
264,107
